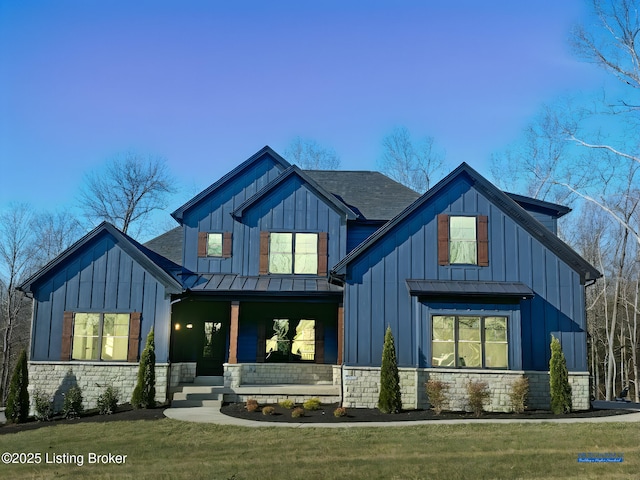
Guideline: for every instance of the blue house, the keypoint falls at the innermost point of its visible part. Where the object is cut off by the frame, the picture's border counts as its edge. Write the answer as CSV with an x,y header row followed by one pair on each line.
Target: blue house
x,y
280,282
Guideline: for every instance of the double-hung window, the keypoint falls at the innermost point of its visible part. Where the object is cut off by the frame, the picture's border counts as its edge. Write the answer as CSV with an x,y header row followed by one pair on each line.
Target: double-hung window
x,y
463,240
100,336
469,341
295,253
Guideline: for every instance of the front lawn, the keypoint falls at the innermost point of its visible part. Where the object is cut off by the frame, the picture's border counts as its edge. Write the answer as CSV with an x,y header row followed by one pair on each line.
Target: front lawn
x,y
171,449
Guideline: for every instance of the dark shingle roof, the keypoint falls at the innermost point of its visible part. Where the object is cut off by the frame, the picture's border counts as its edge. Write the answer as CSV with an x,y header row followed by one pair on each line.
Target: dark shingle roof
x,y
169,245
370,194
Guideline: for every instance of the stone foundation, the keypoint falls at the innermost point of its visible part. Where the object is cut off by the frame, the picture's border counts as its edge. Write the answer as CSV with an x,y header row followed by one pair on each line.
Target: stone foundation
x,y
238,374
55,378
361,387
182,373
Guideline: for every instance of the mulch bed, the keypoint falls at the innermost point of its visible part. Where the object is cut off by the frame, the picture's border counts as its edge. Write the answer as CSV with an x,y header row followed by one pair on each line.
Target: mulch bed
x,y
123,413
325,415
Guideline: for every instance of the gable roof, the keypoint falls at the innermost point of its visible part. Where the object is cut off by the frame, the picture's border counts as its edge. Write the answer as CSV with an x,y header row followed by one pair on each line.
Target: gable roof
x,y
372,195
515,211
162,269
284,176
266,150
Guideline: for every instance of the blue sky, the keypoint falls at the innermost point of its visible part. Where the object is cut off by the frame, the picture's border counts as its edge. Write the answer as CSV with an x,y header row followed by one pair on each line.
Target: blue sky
x,y
205,84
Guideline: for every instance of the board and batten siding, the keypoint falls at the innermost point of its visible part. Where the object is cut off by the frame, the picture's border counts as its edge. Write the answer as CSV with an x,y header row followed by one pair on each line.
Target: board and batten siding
x,y
103,278
213,214
376,294
291,207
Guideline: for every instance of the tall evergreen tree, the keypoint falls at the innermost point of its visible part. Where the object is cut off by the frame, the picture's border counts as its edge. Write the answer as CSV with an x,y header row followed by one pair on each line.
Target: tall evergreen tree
x,y
17,408
390,400
144,395
559,380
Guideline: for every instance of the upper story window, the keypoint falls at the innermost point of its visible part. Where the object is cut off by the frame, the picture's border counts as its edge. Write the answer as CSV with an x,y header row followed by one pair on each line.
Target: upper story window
x,y
292,253
214,244
463,240
295,253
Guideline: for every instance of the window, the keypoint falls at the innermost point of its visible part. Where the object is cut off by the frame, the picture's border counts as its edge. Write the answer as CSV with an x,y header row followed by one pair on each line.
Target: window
x,y
463,240
295,253
286,343
214,245
100,336
469,341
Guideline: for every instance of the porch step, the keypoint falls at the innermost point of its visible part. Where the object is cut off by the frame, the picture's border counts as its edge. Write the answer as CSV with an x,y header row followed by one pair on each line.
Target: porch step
x,y
209,380
196,403
288,389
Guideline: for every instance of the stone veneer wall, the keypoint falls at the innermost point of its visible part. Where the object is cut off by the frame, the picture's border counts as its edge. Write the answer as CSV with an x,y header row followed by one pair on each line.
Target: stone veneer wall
x,y
361,387
182,373
238,374
54,379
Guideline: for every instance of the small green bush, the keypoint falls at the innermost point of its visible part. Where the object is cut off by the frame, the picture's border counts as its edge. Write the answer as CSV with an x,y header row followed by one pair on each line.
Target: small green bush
x,y
340,412
389,400
311,404
43,406
269,410
108,401
478,393
17,406
251,405
297,412
437,393
518,394
288,404
72,405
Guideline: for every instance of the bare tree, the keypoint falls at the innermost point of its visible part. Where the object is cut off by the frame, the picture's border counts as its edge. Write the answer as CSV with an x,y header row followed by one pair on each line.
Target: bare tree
x,y
15,264
127,190
53,232
414,164
310,155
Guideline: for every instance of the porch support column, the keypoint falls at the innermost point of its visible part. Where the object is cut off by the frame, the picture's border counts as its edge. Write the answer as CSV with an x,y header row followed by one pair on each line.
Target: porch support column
x,y
233,332
340,332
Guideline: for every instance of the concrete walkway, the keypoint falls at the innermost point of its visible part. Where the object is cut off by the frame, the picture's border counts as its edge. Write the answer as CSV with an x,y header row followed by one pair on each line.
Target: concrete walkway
x,y
213,415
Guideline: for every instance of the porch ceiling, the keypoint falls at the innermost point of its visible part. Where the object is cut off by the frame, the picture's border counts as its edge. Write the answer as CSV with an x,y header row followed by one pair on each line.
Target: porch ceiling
x,y
232,283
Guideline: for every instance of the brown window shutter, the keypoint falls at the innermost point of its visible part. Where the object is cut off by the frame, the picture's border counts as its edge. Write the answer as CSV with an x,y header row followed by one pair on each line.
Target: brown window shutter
x,y
134,336
319,342
483,240
323,257
264,253
443,239
261,350
202,244
67,336
226,245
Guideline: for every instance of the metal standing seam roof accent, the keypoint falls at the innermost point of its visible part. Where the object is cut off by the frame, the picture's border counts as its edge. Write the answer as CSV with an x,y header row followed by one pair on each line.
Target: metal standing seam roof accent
x,y
468,287
226,283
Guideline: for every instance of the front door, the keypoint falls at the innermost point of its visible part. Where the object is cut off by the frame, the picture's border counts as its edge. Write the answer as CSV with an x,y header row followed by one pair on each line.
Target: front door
x,y
211,355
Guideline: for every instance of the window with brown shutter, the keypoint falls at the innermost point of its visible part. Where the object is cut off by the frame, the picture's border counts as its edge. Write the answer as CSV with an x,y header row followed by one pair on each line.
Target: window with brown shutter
x,y
264,253
67,336
483,240
323,255
134,336
443,239
202,244
226,245
463,240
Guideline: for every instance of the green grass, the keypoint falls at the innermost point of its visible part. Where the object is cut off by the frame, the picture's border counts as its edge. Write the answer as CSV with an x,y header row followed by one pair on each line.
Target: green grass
x,y
172,449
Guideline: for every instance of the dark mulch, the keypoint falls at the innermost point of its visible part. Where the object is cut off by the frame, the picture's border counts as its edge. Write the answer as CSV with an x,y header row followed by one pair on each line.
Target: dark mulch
x,y
123,413
325,415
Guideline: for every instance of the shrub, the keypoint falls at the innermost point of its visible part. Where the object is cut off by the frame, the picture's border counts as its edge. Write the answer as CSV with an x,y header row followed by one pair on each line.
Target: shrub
x,y
340,412
72,405
288,404
144,394
43,406
17,406
297,412
251,405
437,393
311,404
268,410
108,401
518,394
559,380
389,400
478,395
